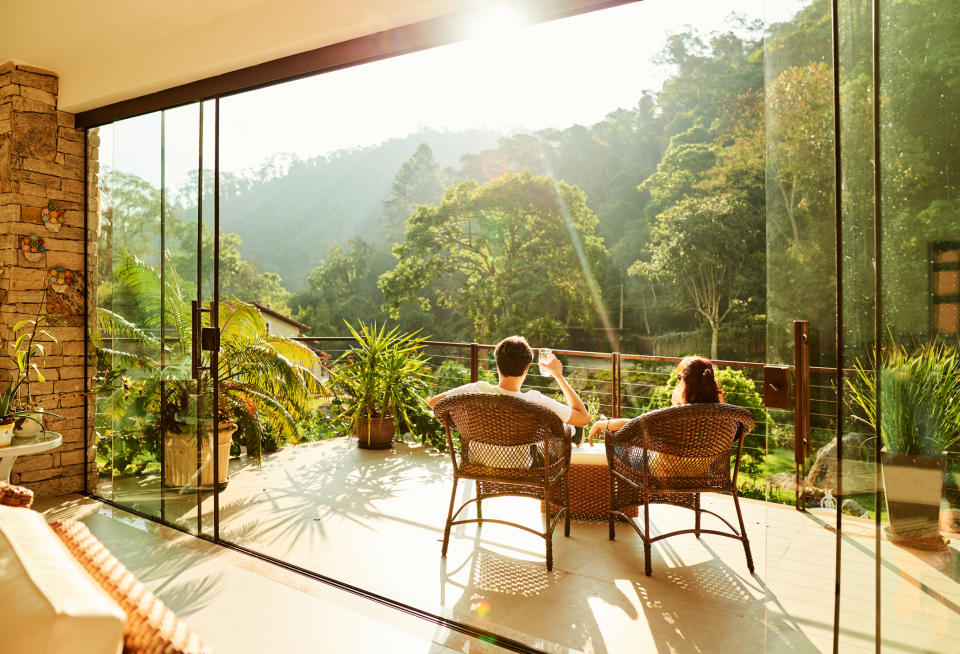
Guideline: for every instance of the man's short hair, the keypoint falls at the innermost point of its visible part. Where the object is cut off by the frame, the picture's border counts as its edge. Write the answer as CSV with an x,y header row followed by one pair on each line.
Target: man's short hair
x,y
513,355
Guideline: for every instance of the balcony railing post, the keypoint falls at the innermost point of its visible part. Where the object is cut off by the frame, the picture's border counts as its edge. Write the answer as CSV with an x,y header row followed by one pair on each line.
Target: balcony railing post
x,y
615,388
474,362
801,411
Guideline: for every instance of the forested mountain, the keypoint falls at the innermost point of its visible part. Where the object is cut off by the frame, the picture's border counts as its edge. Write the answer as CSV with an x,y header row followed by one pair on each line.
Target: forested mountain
x,y
324,201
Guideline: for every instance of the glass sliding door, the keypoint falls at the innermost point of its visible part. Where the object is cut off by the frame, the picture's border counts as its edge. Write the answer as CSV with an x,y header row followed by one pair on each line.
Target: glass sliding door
x,y
154,403
243,237
801,294
918,374
130,334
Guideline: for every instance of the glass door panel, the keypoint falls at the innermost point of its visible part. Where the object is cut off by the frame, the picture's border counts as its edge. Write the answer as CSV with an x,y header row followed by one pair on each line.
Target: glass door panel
x,y
153,408
801,280
186,443
130,330
918,376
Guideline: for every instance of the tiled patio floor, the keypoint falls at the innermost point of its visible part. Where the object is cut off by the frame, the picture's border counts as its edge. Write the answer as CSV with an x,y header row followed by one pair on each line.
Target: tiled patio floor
x,y
375,519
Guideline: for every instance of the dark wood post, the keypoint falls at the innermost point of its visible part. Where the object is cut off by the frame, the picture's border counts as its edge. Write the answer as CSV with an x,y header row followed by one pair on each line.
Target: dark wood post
x,y
801,411
474,362
615,388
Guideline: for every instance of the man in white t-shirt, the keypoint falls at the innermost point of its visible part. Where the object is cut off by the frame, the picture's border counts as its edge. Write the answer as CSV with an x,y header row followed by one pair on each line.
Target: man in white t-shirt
x,y
514,356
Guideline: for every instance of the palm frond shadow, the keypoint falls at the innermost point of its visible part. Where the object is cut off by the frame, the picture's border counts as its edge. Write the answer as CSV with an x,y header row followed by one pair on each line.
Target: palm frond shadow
x,y
293,496
192,596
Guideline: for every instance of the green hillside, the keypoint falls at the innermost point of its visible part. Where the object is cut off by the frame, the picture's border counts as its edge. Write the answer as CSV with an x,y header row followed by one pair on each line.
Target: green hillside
x,y
326,201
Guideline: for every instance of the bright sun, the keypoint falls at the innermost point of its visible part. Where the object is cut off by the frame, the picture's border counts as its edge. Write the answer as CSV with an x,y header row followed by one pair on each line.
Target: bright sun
x,y
494,21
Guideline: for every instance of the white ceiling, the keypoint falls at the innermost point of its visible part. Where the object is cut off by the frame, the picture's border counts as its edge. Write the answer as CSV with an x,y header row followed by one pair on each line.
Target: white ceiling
x,y
111,50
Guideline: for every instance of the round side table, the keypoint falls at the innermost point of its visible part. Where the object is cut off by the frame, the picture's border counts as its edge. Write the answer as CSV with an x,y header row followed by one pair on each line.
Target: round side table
x,y
23,446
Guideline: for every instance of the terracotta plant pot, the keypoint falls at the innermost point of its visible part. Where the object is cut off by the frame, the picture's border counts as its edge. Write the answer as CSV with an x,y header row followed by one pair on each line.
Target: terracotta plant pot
x,y
913,486
6,434
180,457
376,433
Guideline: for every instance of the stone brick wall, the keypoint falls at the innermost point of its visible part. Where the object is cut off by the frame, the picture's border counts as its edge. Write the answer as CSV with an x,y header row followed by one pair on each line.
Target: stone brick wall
x,y
41,185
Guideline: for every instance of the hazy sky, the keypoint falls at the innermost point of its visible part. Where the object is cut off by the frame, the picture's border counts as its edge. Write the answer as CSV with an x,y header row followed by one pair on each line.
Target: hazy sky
x,y
510,77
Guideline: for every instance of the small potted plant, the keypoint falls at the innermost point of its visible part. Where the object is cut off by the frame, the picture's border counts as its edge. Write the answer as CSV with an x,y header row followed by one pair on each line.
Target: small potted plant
x,y
19,416
919,420
380,381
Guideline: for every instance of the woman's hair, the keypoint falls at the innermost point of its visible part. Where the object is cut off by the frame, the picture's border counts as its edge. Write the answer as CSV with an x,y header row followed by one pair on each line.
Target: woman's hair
x,y
697,383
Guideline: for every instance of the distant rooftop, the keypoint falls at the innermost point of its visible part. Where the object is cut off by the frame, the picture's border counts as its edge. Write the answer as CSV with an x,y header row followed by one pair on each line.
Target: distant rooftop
x,y
279,316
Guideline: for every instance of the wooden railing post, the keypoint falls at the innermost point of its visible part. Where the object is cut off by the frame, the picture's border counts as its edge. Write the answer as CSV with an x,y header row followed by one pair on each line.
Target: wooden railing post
x,y
474,362
615,387
801,411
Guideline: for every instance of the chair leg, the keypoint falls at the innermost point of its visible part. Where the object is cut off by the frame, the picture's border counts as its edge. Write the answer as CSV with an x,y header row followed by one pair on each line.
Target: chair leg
x,y
479,508
547,531
647,567
549,552
546,510
743,533
696,519
611,518
446,529
566,499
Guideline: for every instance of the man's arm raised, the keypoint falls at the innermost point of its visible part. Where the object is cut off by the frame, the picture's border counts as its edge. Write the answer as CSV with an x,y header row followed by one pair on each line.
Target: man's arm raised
x,y
579,416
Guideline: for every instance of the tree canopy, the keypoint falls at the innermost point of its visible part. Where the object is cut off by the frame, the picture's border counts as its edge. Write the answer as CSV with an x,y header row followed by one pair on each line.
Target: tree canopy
x,y
505,254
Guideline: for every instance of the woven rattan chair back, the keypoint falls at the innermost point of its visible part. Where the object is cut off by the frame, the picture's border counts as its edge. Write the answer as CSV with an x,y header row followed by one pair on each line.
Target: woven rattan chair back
x,y
497,432
671,456
685,442
507,446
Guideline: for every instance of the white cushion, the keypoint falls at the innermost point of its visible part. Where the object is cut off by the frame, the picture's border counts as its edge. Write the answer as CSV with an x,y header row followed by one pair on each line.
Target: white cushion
x,y
49,604
589,456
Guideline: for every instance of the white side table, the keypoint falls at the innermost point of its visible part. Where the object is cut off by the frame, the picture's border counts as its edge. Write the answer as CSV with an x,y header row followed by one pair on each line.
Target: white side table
x,y
23,446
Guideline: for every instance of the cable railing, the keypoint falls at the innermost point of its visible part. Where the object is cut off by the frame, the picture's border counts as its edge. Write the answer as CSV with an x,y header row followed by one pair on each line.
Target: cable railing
x,y
624,385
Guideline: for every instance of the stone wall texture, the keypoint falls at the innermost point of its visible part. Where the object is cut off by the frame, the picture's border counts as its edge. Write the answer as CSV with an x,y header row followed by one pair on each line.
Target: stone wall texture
x,y
42,197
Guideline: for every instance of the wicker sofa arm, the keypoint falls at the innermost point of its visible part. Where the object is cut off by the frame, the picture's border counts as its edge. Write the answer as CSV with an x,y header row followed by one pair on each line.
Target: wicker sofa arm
x,y
151,626
19,496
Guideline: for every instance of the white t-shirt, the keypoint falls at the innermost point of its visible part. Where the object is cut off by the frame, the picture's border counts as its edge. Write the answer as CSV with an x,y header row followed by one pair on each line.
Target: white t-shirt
x,y
562,410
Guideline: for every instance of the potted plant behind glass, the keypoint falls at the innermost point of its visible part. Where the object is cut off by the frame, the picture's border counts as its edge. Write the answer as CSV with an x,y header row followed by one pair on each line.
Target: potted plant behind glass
x,y
919,420
379,382
265,381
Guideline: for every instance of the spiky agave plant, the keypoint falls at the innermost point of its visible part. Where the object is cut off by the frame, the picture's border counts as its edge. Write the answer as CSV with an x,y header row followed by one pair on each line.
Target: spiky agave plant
x,y
265,381
384,374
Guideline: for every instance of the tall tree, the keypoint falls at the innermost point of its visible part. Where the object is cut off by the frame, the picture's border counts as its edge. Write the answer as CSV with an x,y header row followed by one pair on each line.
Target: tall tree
x,y
504,253
702,245
343,287
419,181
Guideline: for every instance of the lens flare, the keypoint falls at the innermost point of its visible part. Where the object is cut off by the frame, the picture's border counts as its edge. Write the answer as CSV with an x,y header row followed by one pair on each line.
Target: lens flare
x,y
481,608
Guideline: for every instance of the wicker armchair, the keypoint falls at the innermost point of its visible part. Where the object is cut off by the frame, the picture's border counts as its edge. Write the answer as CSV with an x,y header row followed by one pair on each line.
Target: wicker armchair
x,y
508,446
670,456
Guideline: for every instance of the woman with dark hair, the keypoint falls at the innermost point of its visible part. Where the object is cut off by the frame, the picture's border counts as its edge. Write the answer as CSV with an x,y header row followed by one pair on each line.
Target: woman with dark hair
x,y
696,384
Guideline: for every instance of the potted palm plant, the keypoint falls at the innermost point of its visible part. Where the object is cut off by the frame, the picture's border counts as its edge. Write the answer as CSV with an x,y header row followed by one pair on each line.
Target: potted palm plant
x,y
919,419
380,382
265,381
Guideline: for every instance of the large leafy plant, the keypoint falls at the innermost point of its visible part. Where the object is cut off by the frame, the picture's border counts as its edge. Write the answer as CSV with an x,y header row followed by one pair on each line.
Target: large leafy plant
x,y
383,375
919,398
266,382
